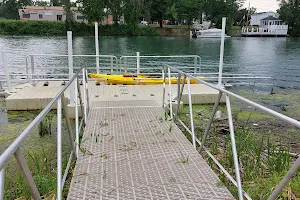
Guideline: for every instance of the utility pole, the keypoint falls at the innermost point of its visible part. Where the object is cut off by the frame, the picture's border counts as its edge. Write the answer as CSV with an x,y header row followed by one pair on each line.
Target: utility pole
x,y
248,15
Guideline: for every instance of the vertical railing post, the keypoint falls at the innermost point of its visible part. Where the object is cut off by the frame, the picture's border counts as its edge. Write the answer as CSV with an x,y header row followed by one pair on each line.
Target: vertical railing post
x,y
69,127
27,70
164,85
199,64
84,95
70,63
222,52
27,174
170,93
87,91
137,62
191,112
111,65
32,69
80,100
180,95
2,179
195,64
76,119
6,71
97,47
125,65
234,151
59,149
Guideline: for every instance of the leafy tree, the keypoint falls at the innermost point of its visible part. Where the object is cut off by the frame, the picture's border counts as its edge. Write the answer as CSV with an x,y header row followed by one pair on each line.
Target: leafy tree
x,y
41,3
216,9
289,12
189,9
93,10
171,12
132,12
55,2
158,9
69,15
242,15
9,8
115,9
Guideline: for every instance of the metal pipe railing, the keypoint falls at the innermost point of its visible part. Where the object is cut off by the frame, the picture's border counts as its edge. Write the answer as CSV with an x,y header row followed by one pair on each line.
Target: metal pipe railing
x,y
14,148
59,149
123,62
229,94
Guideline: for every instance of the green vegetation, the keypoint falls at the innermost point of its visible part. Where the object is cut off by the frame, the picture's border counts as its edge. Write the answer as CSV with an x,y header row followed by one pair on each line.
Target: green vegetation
x,y
15,27
263,149
290,13
39,152
131,12
45,126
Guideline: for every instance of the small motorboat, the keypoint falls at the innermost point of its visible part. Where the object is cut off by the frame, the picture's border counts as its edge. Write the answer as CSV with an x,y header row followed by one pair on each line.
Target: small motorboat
x,y
210,33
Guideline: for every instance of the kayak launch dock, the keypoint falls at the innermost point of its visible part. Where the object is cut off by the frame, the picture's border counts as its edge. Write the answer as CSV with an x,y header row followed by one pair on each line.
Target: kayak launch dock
x,y
29,97
130,146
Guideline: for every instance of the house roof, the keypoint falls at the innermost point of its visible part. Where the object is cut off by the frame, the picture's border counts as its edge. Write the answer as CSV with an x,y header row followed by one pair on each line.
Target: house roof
x,y
58,8
261,13
270,18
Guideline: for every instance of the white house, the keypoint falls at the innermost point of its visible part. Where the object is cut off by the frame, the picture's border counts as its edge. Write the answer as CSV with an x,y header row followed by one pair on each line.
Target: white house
x,y
47,13
265,24
257,17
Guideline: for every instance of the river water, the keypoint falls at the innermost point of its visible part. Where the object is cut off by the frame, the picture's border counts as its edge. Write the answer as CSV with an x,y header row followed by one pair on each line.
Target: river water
x,y
274,57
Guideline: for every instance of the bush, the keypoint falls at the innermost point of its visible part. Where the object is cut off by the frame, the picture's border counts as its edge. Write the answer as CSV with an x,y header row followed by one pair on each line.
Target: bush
x,y
17,27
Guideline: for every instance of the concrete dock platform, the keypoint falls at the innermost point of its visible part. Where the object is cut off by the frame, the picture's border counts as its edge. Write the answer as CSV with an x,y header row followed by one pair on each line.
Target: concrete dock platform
x,y
29,97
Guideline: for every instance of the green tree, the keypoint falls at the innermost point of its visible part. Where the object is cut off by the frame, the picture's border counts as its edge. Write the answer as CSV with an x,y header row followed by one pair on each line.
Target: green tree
x,y
116,9
158,10
93,10
56,2
41,3
189,9
69,15
171,12
9,8
242,15
216,9
289,12
132,12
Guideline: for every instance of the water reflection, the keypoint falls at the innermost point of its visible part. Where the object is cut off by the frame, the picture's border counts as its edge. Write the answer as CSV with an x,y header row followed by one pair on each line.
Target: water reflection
x,y
276,57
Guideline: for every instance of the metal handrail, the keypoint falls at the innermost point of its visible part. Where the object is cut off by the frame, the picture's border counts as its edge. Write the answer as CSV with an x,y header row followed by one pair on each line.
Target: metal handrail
x,y
123,65
229,94
113,62
14,148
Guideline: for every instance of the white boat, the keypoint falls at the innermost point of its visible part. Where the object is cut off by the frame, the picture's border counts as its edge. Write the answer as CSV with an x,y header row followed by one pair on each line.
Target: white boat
x,y
211,33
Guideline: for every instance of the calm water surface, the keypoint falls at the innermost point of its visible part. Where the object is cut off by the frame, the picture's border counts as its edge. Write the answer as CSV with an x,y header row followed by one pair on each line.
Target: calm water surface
x,y
275,57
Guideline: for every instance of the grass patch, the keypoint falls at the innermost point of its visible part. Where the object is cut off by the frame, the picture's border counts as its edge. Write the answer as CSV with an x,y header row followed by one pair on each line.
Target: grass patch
x,y
264,158
39,152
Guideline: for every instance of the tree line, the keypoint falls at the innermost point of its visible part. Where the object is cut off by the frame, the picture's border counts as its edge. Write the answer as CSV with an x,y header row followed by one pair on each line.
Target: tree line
x,y
159,10
175,11
137,10
289,12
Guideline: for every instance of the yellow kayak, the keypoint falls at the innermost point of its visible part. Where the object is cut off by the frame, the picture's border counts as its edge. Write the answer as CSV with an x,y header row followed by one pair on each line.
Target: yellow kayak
x,y
128,79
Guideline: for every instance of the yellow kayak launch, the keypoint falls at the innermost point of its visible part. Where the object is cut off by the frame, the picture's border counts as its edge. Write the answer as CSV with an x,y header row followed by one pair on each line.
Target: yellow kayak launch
x,y
129,79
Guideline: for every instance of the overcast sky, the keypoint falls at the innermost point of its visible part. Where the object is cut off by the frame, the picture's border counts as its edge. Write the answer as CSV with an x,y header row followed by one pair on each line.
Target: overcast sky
x,y
263,5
